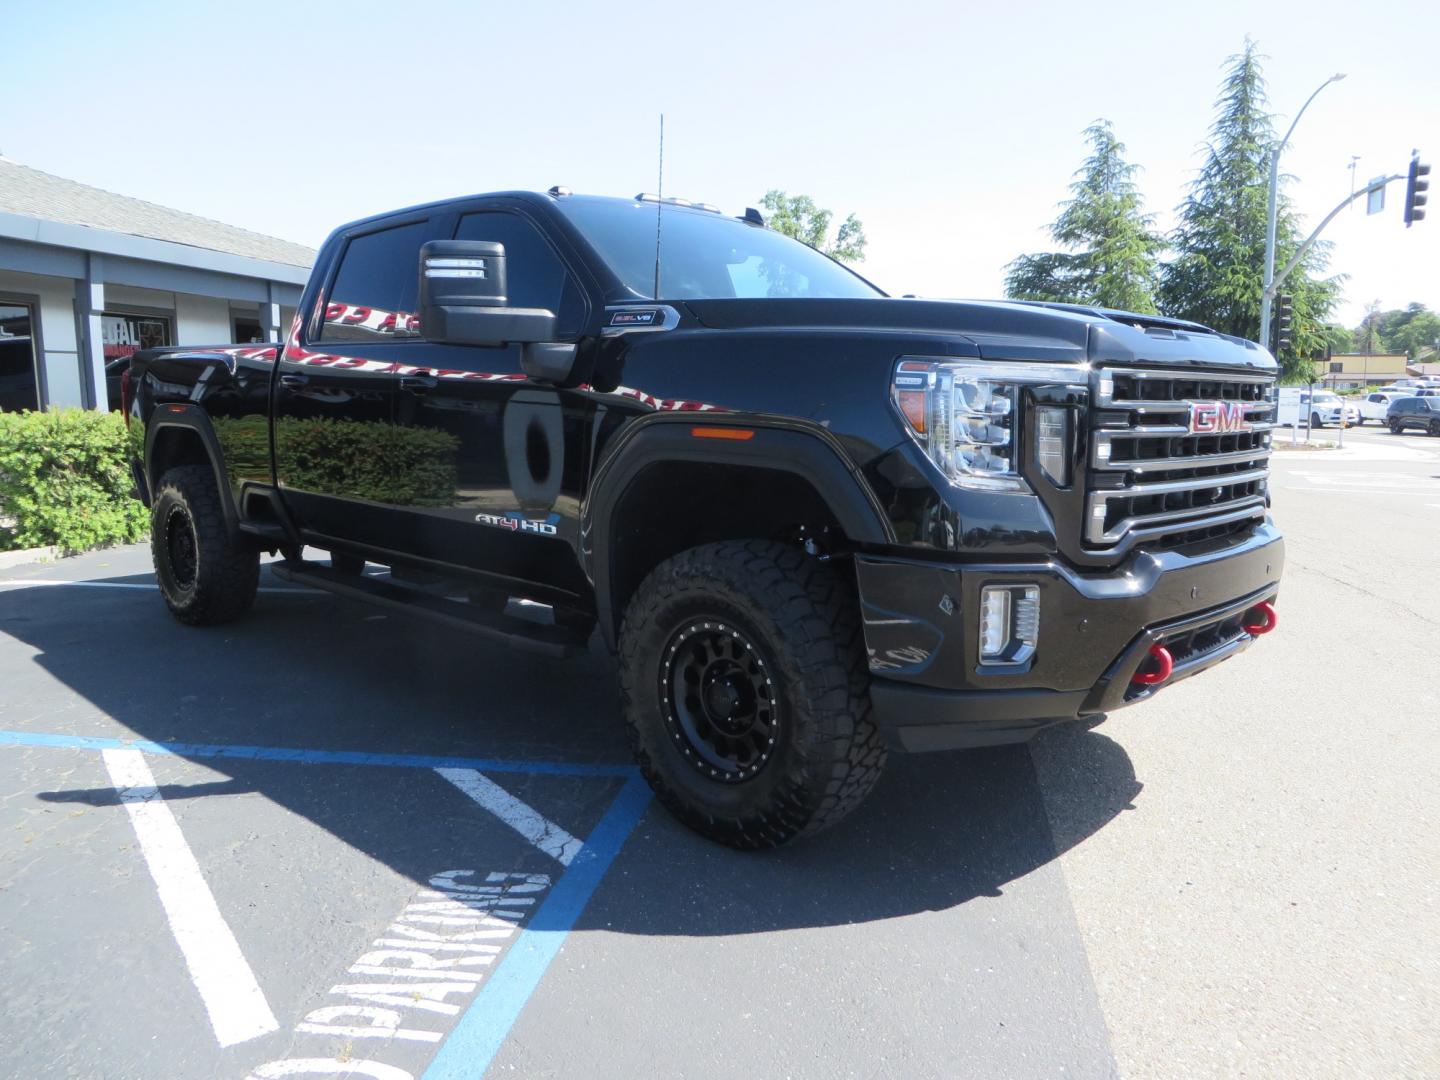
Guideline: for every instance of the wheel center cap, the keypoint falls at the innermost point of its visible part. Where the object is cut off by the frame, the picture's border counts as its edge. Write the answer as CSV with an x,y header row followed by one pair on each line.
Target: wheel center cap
x,y
723,698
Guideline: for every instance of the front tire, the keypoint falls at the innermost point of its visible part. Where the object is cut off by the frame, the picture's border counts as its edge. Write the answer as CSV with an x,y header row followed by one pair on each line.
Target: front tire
x,y
745,687
206,576
1396,427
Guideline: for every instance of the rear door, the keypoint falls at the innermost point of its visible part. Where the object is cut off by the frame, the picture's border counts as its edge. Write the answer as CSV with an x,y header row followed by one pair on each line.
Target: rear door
x,y
346,470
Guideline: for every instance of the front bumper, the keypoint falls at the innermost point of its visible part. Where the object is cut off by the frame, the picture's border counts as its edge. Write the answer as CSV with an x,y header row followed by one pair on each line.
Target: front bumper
x,y
929,690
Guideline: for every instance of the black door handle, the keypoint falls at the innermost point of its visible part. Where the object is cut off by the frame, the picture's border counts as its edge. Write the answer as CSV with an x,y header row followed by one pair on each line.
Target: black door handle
x,y
418,384
292,381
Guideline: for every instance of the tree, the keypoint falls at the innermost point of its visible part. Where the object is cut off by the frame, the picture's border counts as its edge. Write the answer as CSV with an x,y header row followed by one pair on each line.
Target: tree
x,y
1217,275
1113,253
1368,338
798,216
1412,329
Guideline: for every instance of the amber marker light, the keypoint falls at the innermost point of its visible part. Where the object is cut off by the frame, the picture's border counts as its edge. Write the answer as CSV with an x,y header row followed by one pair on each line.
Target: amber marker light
x,y
735,434
912,407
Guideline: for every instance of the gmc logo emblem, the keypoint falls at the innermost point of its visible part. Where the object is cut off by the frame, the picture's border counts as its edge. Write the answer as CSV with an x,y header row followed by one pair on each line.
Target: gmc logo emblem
x,y
1217,417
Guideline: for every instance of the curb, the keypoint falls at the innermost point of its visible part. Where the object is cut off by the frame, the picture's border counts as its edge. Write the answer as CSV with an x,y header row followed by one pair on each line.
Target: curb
x,y
29,555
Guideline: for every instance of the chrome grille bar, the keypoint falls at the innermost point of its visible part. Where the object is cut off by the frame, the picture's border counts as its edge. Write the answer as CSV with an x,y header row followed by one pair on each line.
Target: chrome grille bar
x,y
1134,497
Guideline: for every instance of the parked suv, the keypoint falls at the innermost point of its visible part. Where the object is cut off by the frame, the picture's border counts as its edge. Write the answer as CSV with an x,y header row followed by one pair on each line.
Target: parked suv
x,y
1414,412
814,523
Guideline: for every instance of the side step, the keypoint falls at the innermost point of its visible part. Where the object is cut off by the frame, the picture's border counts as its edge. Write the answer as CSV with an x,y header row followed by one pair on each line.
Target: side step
x,y
520,634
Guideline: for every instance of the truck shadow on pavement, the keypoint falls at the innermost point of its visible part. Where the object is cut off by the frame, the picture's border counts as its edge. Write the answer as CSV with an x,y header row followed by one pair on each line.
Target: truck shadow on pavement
x,y
308,671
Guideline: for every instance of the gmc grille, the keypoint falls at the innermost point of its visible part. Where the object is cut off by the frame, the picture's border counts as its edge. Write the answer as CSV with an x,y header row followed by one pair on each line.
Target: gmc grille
x,y
1152,478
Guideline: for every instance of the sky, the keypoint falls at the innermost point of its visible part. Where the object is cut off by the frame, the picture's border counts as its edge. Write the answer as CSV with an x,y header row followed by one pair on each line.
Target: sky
x,y
950,129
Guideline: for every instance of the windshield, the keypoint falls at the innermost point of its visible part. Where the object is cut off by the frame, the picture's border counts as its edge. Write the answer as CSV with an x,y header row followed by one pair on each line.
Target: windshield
x,y
1327,399
705,256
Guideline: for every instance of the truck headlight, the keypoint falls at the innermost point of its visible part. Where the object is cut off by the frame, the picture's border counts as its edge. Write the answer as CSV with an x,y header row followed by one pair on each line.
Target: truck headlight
x,y
964,414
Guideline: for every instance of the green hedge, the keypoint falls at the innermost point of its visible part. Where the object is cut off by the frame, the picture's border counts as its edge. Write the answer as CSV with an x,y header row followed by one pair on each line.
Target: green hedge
x,y
351,459
65,481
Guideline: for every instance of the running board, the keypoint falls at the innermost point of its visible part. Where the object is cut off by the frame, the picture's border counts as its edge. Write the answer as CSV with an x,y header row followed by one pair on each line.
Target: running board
x,y
520,634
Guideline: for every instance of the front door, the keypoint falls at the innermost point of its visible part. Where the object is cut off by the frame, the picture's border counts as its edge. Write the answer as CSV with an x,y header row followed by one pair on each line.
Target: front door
x,y
520,447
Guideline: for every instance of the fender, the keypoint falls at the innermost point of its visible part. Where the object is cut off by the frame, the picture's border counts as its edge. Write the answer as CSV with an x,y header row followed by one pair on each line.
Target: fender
x,y
804,450
195,419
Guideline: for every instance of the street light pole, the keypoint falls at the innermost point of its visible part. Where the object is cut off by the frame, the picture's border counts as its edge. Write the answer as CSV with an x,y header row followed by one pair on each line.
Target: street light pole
x,y
1266,296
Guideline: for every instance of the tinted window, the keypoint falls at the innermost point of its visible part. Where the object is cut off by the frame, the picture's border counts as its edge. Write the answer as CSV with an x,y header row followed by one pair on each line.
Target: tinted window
x,y
374,295
705,255
535,277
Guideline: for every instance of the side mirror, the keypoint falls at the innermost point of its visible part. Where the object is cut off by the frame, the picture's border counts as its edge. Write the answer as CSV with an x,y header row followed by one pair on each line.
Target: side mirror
x,y
463,301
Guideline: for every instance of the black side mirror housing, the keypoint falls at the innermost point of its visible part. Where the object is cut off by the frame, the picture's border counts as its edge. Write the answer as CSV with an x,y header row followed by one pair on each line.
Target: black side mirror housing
x,y
463,301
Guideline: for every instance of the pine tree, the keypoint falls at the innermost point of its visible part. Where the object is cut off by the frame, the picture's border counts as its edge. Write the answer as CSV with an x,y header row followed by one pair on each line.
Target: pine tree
x,y
1112,253
1217,275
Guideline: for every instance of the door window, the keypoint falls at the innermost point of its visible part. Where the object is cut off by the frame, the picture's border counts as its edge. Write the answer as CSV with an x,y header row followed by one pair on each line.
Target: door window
x,y
18,388
535,276
374,296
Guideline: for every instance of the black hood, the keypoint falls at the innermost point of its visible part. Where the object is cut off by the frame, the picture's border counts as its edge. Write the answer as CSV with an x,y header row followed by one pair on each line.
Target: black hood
x,y
1003,329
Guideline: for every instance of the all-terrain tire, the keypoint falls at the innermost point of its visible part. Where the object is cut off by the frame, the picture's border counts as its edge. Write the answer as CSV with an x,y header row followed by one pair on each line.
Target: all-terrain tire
x,y
793,622
205,576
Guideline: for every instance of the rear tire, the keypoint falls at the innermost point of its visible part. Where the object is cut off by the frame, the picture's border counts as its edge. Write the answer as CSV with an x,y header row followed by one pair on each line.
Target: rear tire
x,y
1434,427
206,576
1315,421
745,686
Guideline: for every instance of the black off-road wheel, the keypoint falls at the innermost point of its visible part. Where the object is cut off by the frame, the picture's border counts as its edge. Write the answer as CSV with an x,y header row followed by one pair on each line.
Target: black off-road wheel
x,y
745,688
1434,427
205,577
1396,428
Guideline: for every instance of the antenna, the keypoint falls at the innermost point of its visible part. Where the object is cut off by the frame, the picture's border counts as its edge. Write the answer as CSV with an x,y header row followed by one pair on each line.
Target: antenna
x,y
659,202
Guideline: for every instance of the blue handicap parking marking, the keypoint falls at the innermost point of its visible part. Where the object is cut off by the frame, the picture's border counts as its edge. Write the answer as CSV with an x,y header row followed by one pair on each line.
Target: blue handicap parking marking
x,y
456,902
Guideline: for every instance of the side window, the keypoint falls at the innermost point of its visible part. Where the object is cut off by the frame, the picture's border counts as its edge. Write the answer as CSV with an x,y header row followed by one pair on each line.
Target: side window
x,y
375,291
535,277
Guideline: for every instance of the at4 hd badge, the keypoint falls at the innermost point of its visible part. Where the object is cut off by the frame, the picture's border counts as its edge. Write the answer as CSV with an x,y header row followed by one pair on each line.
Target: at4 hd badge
x,y
515,521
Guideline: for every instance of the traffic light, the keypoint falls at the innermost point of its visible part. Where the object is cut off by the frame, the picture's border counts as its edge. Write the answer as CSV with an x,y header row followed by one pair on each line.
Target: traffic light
x,y
1284,317
1415,191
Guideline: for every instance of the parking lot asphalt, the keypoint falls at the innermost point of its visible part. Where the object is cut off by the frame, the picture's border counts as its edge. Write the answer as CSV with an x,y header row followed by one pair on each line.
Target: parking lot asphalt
x,y
326,838
930,936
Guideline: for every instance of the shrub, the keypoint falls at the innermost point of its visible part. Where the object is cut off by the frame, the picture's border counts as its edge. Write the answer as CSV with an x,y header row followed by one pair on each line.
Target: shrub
x,y
65,481
352,459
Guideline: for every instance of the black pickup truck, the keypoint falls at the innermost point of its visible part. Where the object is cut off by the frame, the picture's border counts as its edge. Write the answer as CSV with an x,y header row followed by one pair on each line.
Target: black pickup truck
x,y
813,523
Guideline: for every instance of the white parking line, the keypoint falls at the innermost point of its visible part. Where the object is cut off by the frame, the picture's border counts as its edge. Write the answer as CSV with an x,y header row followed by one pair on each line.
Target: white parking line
x,y
525,820
233,999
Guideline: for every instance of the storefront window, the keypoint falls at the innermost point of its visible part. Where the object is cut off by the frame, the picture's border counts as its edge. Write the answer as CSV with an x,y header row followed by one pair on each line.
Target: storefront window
x,y
18,386
124,335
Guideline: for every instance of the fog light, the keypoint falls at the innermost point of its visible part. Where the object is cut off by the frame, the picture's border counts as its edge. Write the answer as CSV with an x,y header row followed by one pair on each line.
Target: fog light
x,y
1009,623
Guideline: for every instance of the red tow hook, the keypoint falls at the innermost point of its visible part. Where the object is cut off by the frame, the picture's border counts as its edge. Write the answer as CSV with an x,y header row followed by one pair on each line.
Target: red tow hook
x,y
1165,664
1267,610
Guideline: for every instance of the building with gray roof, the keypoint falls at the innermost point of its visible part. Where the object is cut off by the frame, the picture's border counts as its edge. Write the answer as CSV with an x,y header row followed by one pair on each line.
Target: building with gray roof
x,y
88,276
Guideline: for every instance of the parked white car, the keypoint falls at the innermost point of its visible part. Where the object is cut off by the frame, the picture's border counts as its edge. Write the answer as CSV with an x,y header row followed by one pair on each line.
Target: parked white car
x,y
1295,407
